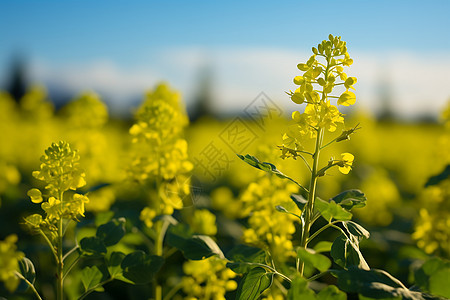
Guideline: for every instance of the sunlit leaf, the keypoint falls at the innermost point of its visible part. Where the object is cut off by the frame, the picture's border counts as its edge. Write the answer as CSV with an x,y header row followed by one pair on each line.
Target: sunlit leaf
x,y
256,281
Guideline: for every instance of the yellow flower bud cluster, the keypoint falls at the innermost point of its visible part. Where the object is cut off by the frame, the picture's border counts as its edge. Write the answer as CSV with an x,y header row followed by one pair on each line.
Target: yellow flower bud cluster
x,y
268,228
61,171
207,279
204,222
9,262
432,225
159,151
316,84
86,111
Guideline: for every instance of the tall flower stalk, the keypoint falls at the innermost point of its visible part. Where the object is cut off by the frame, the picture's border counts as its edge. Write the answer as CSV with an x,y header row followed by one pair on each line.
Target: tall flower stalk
x,y
61,172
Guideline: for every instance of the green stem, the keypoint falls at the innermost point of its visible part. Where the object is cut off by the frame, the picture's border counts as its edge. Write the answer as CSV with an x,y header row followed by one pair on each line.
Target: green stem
x,y
312,278
71,267
173,291
70,252
60,262
52,248
320,230
309,208
29,284
161,230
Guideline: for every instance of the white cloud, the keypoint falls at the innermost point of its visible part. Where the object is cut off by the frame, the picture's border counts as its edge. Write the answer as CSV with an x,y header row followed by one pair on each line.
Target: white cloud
x,y
416,83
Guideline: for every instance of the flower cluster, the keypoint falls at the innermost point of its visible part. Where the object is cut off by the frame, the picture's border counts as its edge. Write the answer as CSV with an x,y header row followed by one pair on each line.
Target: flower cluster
x,y
9,262
268,228
160,153
207,279
316,84
431,227
61,172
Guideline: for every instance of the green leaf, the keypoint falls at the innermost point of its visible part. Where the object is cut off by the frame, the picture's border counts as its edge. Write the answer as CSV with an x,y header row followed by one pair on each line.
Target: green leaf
x,y
114,262
299,290
440,283
350,199
356,230
331,210
140,267
323,246
374,283
111,232
194,247
266,167
434,180
91,276
433,276
242,257
331,292
299,200
318,261
93,246
26,268
254,283
346,253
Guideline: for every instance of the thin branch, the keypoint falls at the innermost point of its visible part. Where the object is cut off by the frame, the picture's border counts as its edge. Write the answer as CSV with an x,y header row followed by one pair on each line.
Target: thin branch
x,y
318,275
70,252
320,230
29,284
49,244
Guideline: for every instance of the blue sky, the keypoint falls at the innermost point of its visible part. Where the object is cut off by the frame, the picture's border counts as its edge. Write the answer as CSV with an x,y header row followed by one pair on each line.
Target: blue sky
x,y
59,37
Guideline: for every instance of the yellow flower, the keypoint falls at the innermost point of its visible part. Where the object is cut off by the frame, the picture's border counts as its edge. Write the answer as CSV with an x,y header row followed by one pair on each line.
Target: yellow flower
x,y
9,262
52,208
208,278
345,164
35,195
204,222
147,215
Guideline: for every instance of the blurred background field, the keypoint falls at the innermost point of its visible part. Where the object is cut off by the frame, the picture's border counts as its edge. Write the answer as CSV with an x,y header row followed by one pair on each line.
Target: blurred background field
x,y
78,71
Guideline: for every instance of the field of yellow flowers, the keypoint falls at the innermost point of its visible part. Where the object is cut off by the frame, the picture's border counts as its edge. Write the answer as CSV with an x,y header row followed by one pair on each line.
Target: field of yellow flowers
x,y
160,207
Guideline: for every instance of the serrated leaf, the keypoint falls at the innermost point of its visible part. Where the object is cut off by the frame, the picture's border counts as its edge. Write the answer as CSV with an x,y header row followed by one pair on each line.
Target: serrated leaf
x,y
140,267
114,263
266,167
256,281
318,261
111,232
350,199
93,246
374,283
331,210
90,277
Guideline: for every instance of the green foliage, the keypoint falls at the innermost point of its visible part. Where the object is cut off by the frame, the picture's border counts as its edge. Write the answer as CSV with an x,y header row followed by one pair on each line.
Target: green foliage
x,y
256,281
376,284
140,268
433,276
350,199
310,257
195,247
